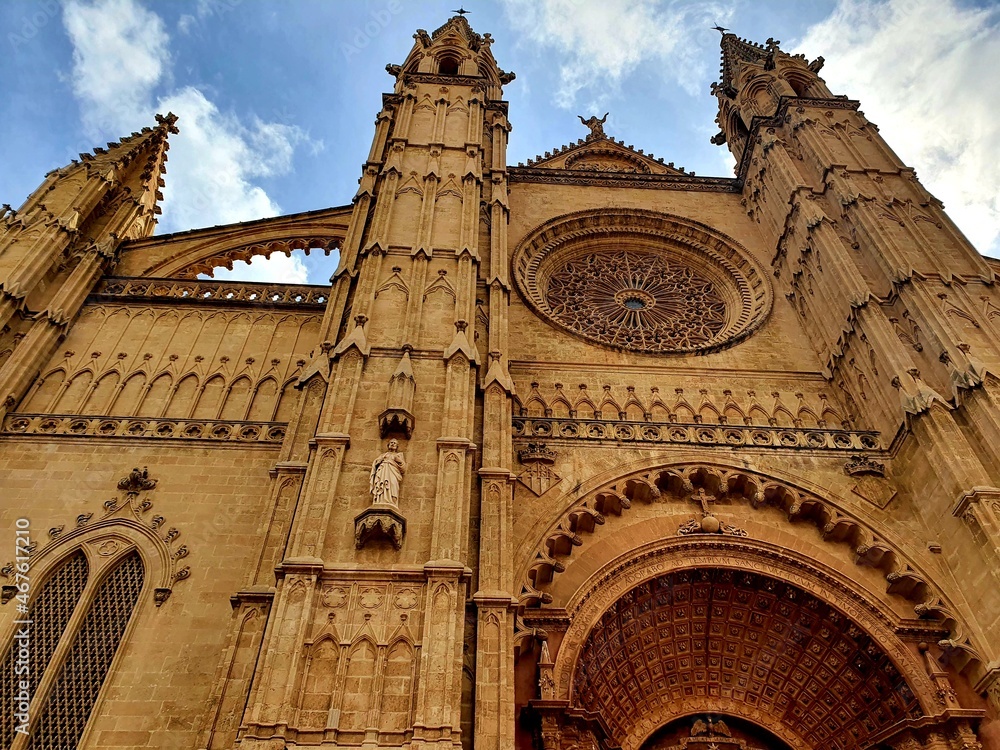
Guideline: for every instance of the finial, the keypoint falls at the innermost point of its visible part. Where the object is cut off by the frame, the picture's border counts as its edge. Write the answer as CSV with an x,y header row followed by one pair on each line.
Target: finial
x,y
461,11
596,126
720,29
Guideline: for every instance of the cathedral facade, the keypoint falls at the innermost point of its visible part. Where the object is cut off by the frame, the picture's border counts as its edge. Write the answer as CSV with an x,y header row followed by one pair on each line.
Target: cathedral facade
x,y
584,454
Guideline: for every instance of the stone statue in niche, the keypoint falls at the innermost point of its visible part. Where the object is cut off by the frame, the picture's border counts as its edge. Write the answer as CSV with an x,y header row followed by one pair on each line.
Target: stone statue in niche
x,y
386,476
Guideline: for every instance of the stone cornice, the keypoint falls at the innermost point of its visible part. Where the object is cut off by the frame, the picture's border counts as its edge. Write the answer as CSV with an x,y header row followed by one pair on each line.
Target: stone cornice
x,y
215,431
623,180
733,436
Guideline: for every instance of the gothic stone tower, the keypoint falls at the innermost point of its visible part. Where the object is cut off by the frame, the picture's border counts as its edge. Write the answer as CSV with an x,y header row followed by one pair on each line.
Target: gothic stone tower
x,y
587,453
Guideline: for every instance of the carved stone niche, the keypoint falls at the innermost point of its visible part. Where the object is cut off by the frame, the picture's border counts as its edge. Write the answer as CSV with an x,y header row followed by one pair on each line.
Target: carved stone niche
x,y
379,521
397,418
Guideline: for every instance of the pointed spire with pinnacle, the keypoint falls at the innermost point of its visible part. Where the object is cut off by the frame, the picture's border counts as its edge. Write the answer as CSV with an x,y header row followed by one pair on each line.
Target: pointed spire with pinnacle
x,y
754,80
454,49
736,51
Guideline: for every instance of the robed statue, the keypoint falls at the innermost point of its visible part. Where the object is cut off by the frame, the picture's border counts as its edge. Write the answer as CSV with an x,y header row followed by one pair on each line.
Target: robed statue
x,y
596,126
387,474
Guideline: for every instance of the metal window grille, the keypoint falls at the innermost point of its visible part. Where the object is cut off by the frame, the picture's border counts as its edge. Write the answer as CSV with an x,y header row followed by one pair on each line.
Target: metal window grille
x,y
48,614
72,698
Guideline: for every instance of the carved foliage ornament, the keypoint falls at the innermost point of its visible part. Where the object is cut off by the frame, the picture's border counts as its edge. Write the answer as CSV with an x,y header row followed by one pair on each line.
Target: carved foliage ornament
x,y
642,281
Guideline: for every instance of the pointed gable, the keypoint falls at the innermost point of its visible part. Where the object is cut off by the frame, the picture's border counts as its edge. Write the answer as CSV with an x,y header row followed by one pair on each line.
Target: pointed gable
x,y
604,154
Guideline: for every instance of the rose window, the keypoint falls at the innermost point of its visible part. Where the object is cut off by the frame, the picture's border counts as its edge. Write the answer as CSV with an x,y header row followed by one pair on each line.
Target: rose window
x,y
642,281
636,299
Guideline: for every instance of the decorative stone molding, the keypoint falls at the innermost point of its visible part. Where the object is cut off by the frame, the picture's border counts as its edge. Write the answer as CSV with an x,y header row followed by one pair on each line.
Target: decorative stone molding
x,y
238,294
76,425
379,521
571,529
686,182
125,524
731,436
631,301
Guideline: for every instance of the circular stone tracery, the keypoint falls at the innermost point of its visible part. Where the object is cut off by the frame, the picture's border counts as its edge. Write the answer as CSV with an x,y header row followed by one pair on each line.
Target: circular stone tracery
x,y
636,299
718,639
642,281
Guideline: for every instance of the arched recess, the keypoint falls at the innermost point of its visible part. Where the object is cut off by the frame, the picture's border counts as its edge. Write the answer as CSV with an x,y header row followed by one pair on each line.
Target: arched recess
x,y
715,625
728,488
125,563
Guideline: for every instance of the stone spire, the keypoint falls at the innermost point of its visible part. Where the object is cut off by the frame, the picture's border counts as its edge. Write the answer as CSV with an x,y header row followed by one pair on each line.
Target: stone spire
x,y
754,79
454,49
66,236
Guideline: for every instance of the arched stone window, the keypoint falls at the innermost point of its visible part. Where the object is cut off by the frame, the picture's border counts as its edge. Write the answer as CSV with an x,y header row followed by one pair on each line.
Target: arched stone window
x,y
77,622
448,65
50,612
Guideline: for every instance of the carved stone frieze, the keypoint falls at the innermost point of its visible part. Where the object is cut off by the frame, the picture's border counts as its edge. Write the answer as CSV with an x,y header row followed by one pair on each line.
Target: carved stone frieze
x,y
240,293
572,529
733,436
267,433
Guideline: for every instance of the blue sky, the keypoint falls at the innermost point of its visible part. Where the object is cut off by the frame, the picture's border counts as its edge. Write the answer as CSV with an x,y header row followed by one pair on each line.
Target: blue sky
x,y
277,99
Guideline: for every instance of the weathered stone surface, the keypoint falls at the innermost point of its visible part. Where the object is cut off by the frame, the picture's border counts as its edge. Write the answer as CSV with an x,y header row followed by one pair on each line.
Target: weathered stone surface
x,y
717,467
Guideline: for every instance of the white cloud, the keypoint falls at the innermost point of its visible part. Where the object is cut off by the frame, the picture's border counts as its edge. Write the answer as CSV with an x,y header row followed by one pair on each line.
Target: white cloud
x,y
185,23
119,55
602,41
121,62
922,70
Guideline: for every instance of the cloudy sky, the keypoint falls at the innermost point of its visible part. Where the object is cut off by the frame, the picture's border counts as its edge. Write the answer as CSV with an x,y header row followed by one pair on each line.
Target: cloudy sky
x,y
277,99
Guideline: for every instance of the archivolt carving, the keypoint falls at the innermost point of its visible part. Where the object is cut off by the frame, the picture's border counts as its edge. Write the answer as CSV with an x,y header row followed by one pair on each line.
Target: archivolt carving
x,y
744,637
732,485
632,279
814,630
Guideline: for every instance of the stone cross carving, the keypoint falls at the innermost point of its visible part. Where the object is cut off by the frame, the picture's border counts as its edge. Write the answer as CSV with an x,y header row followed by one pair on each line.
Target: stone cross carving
x,y
596,126
708,523
386,476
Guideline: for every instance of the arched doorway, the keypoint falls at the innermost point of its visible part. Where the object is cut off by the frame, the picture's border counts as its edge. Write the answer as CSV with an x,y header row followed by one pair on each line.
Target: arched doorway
x,y
701,732
739,644
713,644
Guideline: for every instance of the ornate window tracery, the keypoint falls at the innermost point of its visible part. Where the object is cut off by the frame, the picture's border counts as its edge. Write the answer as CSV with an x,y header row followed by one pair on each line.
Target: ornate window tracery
x,y
72,698
636,299
49,614
78,619
642,281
